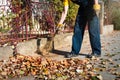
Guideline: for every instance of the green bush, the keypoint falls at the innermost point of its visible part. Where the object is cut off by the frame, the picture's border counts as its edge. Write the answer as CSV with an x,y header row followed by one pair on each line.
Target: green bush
x,y
116,19
112,9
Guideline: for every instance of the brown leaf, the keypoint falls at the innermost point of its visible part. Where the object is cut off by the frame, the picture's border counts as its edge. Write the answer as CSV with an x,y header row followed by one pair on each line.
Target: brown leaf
x,y
4,73
33,72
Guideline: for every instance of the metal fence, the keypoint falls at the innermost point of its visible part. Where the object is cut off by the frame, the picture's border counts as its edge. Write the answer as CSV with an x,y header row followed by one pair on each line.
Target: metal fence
x,y
26,21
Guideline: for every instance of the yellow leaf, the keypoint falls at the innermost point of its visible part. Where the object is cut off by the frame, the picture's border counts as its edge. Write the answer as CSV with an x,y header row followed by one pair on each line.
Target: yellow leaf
x,y
21,72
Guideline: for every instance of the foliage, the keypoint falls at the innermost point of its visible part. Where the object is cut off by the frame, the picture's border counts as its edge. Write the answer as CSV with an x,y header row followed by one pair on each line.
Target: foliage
x,y
5,20
45,68
116,15
116,19
16,10
112,10
108,13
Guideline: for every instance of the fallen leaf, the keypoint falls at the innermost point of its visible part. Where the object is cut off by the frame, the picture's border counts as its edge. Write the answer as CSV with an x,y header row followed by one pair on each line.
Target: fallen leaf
x,y
21,72
79,71
4,73
99,77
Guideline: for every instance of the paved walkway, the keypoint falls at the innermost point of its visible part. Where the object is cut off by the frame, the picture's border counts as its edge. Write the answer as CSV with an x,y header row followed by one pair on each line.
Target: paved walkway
x,y
110,52
110,44
110,47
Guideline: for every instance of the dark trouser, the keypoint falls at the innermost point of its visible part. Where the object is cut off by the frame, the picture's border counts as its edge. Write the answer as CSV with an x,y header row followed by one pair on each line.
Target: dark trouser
x,y
94,33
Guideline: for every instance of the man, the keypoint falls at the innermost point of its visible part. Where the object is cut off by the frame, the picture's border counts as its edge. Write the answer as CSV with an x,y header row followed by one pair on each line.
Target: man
x,y
86,15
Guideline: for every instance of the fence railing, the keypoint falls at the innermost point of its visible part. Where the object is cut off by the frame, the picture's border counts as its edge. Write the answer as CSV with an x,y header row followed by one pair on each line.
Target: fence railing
x,y
26,21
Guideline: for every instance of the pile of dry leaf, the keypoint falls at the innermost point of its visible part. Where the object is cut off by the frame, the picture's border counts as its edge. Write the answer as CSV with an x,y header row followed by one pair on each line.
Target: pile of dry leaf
x,y
67,69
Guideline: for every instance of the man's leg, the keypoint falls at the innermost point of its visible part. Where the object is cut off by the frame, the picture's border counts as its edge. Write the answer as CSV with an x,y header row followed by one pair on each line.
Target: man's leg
x,y
78,35
94,33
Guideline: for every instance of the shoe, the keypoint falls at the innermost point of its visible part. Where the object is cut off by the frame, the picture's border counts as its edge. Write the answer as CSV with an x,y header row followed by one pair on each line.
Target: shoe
x,y
89,56
97,55
93,55
71,55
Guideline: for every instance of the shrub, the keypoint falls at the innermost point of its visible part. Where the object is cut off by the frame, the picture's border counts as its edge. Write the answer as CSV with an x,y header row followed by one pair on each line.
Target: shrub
x,y
116,18
116,15
112,9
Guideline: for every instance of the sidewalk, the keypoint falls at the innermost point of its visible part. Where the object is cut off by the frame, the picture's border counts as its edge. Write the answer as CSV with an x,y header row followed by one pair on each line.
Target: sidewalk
x,y
108,66
110,44
110,60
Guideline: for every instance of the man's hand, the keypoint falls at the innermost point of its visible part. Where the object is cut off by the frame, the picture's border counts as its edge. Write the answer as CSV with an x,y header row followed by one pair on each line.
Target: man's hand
x,y
60,27
65,2
96,7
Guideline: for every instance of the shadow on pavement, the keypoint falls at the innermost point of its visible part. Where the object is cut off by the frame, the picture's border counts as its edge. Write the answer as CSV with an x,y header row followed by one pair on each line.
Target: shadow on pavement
x,y
59,52
83,54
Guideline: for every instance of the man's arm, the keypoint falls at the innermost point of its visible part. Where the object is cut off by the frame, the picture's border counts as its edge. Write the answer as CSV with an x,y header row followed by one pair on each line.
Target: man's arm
x,y
96,1
64,13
